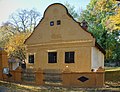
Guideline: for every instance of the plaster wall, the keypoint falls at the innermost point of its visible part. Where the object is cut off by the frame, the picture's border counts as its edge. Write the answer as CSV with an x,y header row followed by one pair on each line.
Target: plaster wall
x,y
97,58
82,58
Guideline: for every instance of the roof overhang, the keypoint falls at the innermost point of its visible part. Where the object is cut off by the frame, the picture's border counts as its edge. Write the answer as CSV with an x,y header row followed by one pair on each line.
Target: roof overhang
x,y
100,48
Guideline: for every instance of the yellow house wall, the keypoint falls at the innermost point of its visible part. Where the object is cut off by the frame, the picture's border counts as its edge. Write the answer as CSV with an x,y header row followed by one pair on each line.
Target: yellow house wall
x,y
82,58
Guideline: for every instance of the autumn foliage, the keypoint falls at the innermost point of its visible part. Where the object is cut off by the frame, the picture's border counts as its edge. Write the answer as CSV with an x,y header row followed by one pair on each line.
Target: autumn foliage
x,y
15,46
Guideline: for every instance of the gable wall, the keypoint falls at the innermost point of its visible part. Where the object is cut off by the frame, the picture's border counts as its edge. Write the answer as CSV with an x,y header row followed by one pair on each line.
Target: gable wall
x,y
69,30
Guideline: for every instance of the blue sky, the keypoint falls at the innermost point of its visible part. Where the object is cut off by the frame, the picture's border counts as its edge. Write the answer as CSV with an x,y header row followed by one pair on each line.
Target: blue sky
x,y
7,7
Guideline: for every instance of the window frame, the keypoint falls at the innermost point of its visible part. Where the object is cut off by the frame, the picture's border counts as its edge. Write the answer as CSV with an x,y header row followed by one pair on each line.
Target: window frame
x,y
52,57
70,57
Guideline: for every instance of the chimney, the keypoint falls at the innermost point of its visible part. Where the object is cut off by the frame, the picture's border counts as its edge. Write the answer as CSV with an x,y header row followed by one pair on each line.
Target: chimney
x,y
84,25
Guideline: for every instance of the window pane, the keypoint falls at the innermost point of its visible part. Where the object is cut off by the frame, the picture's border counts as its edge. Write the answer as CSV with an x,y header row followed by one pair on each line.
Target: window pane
x,y
31,58
52,57
52,23
58,22
66,57
69,57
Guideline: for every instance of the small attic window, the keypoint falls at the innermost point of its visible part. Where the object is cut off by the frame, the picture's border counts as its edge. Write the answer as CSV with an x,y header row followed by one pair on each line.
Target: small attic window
x,y
58,22
51,23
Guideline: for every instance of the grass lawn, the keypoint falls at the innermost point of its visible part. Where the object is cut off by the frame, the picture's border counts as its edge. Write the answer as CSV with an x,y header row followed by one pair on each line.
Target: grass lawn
x,y
13,87
112,68
112,77
112,74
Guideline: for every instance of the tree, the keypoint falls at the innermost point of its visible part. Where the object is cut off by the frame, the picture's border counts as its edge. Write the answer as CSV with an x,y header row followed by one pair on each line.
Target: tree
x,y
113,24
15,46
96,14
71,10
24,20
16,30
114,27
6,32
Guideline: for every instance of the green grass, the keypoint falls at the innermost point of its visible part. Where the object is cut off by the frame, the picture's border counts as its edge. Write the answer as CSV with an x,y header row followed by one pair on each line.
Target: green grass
x,y
112,77
30,88
112,68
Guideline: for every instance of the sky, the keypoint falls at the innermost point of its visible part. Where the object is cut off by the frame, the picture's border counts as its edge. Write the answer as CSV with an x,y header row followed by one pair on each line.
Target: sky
x,y
7,7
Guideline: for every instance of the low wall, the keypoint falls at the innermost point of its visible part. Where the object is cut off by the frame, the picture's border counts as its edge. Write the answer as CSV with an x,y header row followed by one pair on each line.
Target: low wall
x,y
113,76
85,79
69,79
16,76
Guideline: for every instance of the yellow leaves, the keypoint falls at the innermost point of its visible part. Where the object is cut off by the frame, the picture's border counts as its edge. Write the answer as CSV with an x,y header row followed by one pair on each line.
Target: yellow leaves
x,y
108,53
16,42
115,20
100,5
104,5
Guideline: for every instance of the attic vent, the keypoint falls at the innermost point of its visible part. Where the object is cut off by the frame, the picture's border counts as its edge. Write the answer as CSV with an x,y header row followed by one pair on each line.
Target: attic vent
x,y
52,23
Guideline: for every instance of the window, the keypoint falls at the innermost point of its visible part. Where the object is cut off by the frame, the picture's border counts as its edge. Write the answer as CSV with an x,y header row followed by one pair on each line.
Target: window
x,y
52,23
58,22
31,58
52,57
118,4
69,57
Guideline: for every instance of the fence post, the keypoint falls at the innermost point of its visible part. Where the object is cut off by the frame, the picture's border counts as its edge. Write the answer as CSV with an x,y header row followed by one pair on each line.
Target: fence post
x,y
66,76
100,77
17,75
39,77
12,72
3,63
1,74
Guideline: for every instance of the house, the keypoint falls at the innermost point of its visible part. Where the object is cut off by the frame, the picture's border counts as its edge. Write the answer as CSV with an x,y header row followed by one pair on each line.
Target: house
x,y
61,44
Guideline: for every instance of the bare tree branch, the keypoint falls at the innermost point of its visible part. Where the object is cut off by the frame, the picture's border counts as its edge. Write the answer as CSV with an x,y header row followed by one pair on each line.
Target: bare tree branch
x,y
24,20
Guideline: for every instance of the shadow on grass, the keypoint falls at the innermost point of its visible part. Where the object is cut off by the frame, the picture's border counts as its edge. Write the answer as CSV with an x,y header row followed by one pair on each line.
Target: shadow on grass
x,y
14,87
